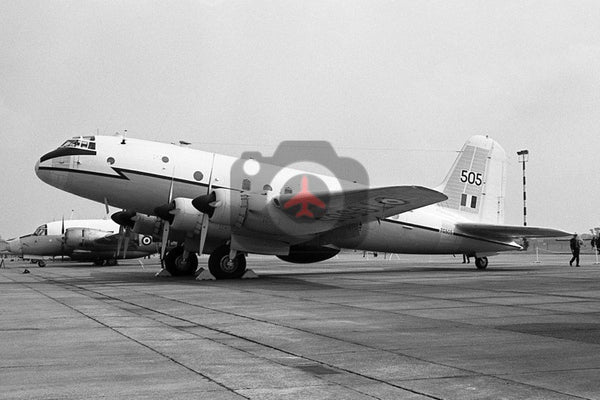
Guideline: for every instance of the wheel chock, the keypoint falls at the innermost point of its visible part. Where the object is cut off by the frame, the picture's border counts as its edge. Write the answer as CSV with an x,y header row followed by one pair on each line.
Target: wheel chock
x,y
249,274
204,275
162,272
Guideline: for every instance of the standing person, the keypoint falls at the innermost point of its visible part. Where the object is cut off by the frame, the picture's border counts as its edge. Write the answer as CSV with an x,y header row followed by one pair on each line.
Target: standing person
x,y
575,244
466,259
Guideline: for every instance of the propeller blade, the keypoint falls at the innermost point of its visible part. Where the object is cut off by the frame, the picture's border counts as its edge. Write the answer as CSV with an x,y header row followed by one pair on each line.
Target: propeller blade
x,y
120,241
204,203
62,243
203,234
164,240
126,244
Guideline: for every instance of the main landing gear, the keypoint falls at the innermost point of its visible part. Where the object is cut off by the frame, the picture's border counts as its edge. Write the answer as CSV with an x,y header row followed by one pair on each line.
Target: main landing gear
x,y
481,262
175,263
223,267
220,265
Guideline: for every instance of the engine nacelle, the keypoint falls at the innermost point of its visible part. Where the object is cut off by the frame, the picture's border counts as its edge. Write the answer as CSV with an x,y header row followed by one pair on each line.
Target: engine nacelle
x,y
230,208
255,212
147,225
83,237
185,216
309,254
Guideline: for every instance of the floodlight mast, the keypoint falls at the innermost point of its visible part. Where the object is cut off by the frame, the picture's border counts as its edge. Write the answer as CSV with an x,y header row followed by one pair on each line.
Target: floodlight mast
x,y
523,158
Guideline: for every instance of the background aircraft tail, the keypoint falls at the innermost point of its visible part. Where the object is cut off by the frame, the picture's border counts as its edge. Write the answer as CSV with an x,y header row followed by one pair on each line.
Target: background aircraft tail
x,y
476,183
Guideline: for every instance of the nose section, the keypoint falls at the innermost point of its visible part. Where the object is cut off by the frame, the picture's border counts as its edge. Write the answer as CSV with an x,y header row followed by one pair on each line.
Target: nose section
x,y
14,246
41,173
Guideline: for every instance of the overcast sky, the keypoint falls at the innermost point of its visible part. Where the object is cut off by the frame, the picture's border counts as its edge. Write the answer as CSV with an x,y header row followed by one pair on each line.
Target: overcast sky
x,y
399,86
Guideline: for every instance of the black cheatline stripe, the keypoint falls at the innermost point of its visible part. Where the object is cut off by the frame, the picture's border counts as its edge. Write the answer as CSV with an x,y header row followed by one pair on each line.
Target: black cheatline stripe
x,y
67,151
121,175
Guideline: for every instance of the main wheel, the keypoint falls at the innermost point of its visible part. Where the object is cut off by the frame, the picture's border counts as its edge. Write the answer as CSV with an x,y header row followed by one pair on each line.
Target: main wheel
x,y
222,267
481,262
41,263
177,266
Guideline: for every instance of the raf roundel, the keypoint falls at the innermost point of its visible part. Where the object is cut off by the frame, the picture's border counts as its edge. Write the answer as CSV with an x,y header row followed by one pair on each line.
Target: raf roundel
x,y
146,240
391,202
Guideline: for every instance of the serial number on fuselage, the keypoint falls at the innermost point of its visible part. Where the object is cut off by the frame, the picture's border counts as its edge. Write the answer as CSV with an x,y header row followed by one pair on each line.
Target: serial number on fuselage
x,y
447,231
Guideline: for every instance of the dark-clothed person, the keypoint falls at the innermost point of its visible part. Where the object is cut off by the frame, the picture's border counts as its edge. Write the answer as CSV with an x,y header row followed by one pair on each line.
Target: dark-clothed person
x,y
575,247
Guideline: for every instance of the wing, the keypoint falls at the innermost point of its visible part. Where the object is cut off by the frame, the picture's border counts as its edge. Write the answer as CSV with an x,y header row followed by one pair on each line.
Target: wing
x,y
109,239
507,232
363,205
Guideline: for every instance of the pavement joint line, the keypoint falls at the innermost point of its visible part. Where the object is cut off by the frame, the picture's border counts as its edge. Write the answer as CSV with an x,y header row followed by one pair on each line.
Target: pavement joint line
x,y
469,372
258,320
242,350
136,341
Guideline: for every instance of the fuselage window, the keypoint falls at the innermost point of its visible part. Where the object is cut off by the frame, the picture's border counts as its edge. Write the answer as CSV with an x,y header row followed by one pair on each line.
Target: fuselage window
x,y
267,188
165,159
246,184
110,160
198,176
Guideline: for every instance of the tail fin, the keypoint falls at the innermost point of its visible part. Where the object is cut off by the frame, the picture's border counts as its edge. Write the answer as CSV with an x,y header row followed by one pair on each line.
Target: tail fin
x,y
476,183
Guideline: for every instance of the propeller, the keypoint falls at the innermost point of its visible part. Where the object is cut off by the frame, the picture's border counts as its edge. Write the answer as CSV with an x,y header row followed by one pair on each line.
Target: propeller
x,y
62,242
125,220
163,212
207,199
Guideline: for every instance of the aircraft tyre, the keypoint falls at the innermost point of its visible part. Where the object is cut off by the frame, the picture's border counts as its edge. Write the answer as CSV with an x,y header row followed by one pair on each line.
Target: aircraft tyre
x,y
111,262
481,262
99,262
221,268
177,266
41,263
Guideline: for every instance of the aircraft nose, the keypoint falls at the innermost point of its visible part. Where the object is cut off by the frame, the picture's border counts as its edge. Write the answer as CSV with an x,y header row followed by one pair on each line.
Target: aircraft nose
x,y
14,246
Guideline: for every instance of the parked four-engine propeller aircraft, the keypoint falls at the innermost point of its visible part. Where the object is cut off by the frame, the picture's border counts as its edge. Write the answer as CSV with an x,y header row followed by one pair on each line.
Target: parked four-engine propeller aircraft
x,y
192,197
98,240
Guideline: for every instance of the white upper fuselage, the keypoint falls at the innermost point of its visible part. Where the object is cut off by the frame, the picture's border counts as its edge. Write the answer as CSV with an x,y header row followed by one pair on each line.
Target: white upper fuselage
x,y
142,175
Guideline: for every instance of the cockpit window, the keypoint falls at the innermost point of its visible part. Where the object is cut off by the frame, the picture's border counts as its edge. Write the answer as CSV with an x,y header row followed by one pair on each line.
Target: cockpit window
x,y
41,230
81,142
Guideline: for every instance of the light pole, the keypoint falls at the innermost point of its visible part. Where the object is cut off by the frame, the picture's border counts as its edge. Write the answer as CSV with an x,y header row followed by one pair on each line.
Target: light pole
x,y
523,158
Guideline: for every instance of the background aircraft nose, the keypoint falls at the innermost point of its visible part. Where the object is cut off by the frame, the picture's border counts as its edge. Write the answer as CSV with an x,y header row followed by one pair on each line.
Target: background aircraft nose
x,y
14,246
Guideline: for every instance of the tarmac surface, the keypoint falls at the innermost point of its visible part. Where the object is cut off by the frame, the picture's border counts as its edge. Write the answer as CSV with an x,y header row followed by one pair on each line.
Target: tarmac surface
x,y
413,327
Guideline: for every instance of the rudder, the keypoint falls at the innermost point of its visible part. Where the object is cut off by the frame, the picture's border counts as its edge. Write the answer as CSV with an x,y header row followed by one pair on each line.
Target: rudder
x,y
475,184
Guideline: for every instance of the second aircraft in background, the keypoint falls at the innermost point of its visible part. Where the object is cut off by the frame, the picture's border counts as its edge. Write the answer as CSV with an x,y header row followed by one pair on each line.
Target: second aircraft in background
x,y
97,240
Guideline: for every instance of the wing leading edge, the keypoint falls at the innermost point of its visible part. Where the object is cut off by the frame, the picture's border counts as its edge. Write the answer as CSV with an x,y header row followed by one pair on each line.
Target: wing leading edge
x,y
507,232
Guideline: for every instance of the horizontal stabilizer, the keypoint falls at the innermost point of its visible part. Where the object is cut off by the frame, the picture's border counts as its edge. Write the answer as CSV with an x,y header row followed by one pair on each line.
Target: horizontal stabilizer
x,y
507,231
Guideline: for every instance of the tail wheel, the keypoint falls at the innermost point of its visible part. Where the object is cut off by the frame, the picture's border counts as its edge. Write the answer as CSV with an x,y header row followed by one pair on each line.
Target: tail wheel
x,y
481,262
222,267
177,266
